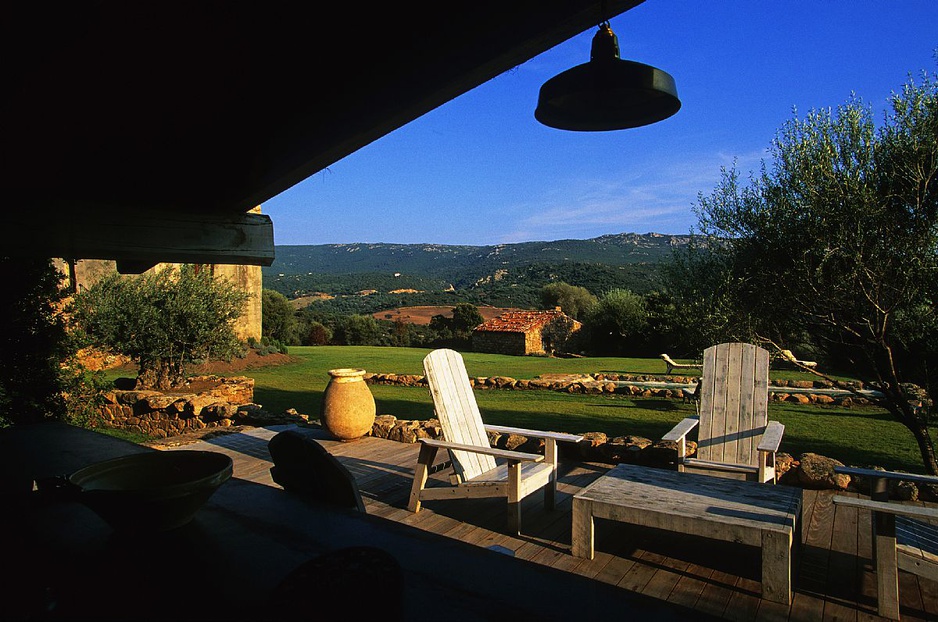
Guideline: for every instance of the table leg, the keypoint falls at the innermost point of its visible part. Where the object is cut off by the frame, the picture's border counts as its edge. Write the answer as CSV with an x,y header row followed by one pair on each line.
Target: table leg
x,y
776,566
583,528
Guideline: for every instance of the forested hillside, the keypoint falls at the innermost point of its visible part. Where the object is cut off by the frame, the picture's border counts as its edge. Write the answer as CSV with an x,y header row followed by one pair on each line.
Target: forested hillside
x,y
500,275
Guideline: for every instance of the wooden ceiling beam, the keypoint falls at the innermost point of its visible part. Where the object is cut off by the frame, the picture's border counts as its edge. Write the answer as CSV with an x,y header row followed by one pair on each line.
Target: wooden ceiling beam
x,y
139,237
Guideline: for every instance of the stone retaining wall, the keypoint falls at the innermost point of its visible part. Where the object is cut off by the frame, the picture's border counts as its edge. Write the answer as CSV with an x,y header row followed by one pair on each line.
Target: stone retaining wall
x,y
213,402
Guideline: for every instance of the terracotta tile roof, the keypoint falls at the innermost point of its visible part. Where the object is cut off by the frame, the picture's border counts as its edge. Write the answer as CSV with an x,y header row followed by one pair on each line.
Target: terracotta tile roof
x,y
518,321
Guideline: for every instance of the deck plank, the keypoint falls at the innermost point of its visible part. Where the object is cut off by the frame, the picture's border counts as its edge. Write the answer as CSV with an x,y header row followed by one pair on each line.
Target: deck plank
x,y
832,574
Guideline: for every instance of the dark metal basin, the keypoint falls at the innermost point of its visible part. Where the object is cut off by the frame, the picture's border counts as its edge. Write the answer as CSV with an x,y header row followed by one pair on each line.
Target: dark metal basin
x,y
158,491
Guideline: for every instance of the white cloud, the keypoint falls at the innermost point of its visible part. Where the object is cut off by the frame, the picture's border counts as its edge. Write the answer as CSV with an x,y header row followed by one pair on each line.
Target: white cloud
x,y
651,199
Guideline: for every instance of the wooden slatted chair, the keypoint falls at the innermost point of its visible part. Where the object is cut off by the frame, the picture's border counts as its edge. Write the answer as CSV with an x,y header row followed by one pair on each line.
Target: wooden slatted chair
x,y
905,536
734,437
475,471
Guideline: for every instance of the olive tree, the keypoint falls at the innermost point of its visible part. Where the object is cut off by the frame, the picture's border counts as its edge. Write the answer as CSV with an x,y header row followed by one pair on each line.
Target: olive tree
x,y
837,239
573,300
616,321
278,319
164,320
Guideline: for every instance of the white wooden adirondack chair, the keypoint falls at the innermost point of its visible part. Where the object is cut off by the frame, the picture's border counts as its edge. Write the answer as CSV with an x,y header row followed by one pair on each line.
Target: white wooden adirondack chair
x,y
734,436
475,471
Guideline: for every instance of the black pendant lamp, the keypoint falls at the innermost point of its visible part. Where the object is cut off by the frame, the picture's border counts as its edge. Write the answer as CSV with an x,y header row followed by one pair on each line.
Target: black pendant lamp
x,y
607,93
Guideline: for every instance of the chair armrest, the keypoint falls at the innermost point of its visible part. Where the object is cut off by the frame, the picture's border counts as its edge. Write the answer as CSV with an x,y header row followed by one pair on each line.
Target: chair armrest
x,y
681,429
507,454
772,437
874,473
557,436
901,509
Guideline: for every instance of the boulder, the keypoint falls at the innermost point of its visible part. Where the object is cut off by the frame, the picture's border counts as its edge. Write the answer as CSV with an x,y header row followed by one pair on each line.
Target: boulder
x,y
407,432
664,453
817,472
589,446
624,449
383,425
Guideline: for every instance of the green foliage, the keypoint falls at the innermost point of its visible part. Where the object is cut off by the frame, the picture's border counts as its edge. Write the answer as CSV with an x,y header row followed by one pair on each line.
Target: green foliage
x,y
163,320
33,343
83,392
267,345
277,315
465,318
616,322
573,300
317,334
356,330
838,239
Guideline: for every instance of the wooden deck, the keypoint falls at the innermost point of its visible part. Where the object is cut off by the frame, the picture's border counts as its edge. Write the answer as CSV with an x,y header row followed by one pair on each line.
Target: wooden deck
x,y
832,574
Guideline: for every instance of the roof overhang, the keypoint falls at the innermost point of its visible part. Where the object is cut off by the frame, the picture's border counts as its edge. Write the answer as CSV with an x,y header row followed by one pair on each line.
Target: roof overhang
x,y
122,115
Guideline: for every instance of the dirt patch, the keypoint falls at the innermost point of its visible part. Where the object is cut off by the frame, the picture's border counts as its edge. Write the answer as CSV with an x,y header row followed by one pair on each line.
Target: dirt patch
x,y
228,368
421,315
251,361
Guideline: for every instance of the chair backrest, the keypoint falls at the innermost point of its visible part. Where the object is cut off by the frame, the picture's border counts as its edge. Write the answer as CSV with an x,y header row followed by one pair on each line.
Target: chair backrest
x,y
456,408
734,397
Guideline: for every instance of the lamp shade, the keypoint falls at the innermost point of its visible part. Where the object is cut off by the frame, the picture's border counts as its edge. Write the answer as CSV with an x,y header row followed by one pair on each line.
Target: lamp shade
x,y
607,93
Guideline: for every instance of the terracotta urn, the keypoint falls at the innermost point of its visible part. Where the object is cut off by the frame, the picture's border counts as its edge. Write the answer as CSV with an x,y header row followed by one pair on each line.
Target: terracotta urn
x,y
348,407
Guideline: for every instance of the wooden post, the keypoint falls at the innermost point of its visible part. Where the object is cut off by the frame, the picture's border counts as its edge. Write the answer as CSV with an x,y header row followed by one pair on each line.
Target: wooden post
x,y
582,535
776,566
550,456
514,497
885,558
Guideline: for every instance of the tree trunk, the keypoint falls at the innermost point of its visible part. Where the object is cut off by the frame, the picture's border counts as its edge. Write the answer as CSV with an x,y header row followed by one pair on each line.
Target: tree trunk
x,y
926,448
160,375
904,413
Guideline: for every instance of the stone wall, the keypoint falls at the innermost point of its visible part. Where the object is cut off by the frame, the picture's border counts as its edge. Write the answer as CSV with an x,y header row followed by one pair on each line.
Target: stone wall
x,y
513,344
212,402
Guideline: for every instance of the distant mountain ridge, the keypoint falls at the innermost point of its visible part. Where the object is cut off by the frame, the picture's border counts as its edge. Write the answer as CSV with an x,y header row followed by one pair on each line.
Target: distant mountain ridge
x,y
498,274
452,262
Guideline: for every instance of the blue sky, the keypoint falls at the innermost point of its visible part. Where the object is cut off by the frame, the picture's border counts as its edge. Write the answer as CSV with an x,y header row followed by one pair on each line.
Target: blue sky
x,y
481,170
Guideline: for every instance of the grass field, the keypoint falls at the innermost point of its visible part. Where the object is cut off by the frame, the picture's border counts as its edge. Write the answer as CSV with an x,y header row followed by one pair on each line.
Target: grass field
x,y
860,436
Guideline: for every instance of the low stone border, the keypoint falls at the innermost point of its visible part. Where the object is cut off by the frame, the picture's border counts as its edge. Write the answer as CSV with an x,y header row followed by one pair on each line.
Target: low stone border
x,y
587,384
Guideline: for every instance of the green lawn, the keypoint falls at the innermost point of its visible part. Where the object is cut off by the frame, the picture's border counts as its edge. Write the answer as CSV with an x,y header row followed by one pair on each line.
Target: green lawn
x,y
861,436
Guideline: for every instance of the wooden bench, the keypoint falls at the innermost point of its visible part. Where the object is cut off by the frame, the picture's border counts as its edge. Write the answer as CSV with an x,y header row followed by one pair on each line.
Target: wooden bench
x,y
749,513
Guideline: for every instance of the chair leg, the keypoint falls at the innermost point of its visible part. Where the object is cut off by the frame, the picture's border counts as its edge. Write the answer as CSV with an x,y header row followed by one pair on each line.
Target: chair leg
x,y
514,497
421,472
550,456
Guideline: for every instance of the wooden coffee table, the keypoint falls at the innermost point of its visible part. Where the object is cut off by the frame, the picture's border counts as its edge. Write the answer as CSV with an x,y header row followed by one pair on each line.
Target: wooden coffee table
x,y
749,513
